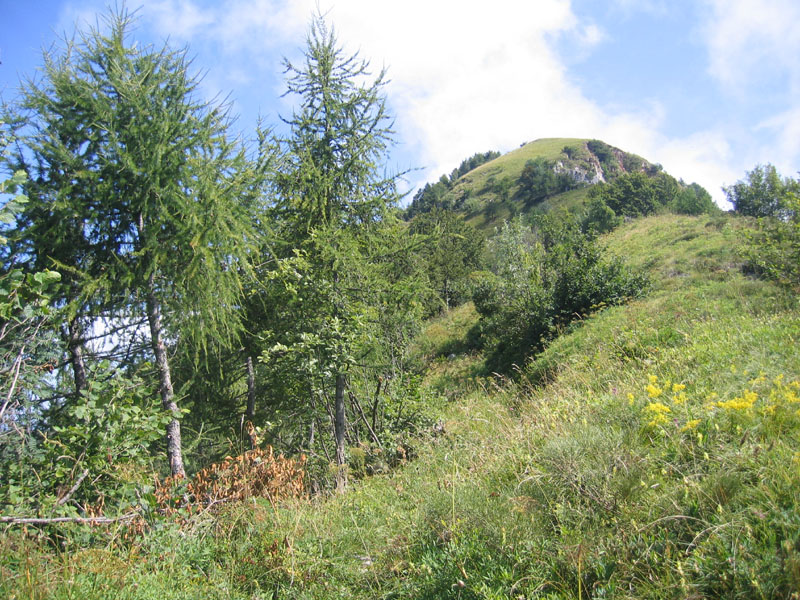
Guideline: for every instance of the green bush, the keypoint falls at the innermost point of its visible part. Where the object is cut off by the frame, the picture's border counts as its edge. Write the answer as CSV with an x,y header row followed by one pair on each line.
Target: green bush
x,y
763,193
694,200
774,249
542,281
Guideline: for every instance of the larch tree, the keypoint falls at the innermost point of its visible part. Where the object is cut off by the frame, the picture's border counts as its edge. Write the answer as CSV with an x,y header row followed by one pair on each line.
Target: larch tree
x,y
160,191
333,194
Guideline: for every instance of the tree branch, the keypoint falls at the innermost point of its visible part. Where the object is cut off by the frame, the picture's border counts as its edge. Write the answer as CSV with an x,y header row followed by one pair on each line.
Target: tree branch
x,y
78,520
73,489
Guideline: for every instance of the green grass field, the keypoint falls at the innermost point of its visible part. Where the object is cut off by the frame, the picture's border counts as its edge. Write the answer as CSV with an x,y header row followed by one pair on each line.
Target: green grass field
x,y
651,451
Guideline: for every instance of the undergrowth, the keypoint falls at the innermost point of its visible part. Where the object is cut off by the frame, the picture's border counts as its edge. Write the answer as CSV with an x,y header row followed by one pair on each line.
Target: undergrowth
x,y
651,451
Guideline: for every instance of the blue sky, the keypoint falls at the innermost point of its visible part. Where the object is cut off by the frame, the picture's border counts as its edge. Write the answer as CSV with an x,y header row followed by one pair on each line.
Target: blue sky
x,y
708,88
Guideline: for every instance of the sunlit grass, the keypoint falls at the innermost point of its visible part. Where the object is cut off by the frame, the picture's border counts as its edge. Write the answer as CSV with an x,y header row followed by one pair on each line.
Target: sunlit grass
x,y
651,451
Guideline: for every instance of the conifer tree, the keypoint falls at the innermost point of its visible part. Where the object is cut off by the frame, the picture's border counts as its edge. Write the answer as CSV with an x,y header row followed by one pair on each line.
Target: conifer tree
x,y
158,189
333,196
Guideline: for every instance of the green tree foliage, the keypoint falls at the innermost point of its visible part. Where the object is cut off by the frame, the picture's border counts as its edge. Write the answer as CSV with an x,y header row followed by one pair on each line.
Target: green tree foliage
x,y
432,196
638,194
775,248
539,179
694,200
336,294
599,217
26,346
451,251
542,280
763,193
160,193
630,195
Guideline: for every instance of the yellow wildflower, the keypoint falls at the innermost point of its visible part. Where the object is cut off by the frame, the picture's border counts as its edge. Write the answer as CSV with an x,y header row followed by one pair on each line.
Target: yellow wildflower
x,y
658,407
630,399
691,425
680,398
659,413
678,387
746,401
652,378
653,391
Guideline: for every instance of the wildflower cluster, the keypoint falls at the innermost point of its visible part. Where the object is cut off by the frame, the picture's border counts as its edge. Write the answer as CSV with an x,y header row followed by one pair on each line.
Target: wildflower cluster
x,y
745,402
673,395
769,401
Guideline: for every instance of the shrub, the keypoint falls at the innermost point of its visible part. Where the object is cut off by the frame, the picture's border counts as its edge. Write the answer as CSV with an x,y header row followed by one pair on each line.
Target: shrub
x,y
543,280
774,249
763,194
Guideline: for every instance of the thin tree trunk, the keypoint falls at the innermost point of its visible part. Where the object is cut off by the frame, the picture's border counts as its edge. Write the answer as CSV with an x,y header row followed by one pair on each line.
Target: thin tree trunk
x,y
251,389
319,426
375,404
339,425
174,448
75,346
360,410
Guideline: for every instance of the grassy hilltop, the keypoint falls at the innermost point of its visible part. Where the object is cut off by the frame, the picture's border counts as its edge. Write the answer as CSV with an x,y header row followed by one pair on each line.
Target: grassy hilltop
x,y
653,451
494,190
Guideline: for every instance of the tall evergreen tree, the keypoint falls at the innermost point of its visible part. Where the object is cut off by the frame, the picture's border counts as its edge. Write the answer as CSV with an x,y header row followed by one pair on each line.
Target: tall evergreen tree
x,y
333,195
158,189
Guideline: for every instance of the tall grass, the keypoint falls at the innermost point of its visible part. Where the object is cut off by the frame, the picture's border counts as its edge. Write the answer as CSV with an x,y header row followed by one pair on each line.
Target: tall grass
x,y
651,451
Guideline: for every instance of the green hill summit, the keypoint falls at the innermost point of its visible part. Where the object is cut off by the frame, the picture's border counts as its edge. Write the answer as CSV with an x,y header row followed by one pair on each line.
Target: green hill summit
x,y
551,173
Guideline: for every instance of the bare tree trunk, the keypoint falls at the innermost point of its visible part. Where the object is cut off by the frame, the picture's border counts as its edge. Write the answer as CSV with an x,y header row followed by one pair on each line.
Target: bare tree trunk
x,y
339,425
251,390
375,404
357,405
75,346
174,448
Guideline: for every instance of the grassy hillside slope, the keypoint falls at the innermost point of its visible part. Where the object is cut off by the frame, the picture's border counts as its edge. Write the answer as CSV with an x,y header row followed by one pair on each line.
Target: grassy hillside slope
x,y
485,208
652,451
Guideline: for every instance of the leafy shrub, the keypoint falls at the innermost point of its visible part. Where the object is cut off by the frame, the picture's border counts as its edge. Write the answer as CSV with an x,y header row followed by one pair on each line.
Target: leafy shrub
x,y
763,194
542,281
539,180
599,217
605,154
694,200
639,194
774,249
88,457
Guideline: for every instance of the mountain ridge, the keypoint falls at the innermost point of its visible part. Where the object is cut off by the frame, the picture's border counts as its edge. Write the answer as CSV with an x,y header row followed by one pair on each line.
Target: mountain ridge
x,y
543,174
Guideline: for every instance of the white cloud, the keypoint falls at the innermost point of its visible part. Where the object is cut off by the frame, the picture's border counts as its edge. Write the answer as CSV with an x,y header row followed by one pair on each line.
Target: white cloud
x,y
654,7
236,25
592,35
785,130
751,39
179,19
704,157
465,77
